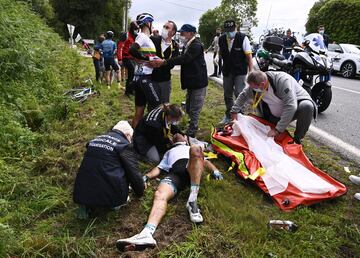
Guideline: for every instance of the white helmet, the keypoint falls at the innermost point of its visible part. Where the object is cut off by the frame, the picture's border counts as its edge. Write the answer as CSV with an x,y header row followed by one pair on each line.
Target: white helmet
x,y
144,18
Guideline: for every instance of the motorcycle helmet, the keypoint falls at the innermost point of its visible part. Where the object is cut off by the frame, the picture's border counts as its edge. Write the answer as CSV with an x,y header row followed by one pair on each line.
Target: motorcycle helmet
x,y
262,53
261,60
144,18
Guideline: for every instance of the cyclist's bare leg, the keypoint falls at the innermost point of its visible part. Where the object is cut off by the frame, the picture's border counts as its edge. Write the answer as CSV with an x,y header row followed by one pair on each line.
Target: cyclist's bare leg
x,y
139,113
196,164
163,194
118,75
108,77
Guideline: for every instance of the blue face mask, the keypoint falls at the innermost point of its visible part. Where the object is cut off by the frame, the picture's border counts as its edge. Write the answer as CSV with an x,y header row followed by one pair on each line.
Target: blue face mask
x,y
231,34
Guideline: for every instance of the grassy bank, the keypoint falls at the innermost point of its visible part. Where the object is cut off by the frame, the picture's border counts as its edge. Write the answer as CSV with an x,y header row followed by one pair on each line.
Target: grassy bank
x,y
43,137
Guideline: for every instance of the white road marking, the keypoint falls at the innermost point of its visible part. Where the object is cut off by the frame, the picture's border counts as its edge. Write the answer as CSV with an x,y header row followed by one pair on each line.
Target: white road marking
x,y
352,91
336,141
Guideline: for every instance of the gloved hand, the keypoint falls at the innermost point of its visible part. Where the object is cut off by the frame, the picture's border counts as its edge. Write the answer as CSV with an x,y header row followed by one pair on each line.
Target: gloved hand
x,y
217,175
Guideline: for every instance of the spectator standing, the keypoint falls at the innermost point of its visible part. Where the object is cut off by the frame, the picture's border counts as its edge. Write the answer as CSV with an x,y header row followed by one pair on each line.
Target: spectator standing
x,y
166,48
193,74
216,57
98,59
119,54
127,59
289,41
109,48
235,51
321,30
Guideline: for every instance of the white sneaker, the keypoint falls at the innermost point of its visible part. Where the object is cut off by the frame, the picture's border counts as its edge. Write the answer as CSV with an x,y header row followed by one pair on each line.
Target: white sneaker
x,y
357,196
138,242
194,212
355,179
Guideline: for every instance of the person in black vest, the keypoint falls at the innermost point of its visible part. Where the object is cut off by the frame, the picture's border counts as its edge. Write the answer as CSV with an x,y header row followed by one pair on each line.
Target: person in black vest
x,y
153,134
321,30
235,51
193,74
107,169
289,41
166,48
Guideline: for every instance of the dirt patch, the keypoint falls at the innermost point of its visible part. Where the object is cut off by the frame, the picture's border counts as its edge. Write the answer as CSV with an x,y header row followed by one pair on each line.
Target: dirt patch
x,y
173,229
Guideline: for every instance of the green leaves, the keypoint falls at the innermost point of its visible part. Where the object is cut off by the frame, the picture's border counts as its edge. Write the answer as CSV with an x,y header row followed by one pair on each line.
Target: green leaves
x,y
239,10
344,28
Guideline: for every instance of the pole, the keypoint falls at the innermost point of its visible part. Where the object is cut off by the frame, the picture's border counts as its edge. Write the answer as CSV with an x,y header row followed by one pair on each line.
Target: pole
x,y
126,16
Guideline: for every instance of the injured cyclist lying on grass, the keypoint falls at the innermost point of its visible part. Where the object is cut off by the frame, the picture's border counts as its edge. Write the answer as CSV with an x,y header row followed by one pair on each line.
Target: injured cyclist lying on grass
x,y
184,165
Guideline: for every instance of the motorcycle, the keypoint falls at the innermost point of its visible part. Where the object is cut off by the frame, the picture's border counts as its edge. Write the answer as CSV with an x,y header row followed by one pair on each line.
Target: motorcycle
x,y
309,65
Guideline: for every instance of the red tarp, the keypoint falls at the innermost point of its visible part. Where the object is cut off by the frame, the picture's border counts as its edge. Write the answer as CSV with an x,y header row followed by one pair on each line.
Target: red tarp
x,y
292,196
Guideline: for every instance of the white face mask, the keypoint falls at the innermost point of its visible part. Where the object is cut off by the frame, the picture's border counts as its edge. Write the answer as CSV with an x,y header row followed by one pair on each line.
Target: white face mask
x,y
321,32
183,39
175,122
164,33
258,90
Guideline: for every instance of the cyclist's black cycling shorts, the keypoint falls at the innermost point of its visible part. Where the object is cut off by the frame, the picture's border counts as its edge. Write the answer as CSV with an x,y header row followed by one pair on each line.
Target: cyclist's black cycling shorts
x,y
147,92
178,177
110,62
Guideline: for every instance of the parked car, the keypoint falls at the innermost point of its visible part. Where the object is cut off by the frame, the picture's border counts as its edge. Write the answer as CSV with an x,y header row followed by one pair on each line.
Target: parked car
x,y
345,58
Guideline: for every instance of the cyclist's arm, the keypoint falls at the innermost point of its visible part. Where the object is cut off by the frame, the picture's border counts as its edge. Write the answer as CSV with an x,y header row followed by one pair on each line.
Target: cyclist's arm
x,y
134,51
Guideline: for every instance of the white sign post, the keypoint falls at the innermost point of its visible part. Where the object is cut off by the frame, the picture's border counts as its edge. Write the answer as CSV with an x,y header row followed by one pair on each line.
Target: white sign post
x,y
78,38
71,29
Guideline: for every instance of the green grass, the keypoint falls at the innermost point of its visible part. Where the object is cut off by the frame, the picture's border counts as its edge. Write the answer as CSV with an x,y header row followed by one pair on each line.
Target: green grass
x,y
42,143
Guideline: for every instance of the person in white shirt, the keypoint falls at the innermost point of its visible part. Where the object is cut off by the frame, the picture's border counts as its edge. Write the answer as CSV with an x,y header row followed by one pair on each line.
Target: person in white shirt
x,y
184,165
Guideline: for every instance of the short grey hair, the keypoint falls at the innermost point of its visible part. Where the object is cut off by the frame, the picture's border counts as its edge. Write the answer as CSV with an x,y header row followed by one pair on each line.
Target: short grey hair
x,y
256,77
125,128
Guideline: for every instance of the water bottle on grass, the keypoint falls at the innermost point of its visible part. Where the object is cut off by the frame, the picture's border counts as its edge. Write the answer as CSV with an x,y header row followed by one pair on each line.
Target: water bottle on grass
x,y
283,224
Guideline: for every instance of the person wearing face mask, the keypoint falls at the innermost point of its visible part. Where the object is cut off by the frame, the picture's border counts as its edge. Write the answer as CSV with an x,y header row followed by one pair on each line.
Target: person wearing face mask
x,y
321,30
183,165
166,48
193,74
216,57
153,134
127,59
108,168
143,50
235,50
279,99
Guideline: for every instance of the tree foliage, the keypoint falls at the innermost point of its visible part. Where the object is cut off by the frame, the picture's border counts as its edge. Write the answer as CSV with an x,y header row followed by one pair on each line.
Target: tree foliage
x,y
90,17
238,10
341,19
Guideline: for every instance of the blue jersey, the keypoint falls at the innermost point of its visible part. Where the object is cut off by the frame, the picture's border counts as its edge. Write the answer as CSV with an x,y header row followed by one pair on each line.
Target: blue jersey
x,y
108,47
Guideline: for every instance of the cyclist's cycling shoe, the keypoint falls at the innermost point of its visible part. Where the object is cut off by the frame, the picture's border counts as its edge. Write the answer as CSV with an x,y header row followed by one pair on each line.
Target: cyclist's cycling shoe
x,y
138,242
194,212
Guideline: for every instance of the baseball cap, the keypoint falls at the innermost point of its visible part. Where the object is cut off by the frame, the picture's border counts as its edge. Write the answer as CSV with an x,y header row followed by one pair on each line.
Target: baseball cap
x,y
229,25
187,28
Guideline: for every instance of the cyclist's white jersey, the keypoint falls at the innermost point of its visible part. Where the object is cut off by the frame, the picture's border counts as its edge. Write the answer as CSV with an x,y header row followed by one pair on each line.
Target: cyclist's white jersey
x,y
147,48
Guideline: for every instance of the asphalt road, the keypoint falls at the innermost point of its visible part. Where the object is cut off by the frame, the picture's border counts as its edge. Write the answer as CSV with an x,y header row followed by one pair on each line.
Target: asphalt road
x,y
339,125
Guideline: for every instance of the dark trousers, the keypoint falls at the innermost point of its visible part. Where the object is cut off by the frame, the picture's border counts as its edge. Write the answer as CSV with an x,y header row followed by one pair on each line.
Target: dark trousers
x,y
97,69
130,66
